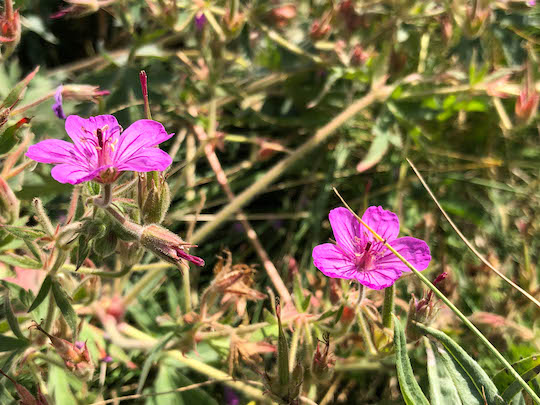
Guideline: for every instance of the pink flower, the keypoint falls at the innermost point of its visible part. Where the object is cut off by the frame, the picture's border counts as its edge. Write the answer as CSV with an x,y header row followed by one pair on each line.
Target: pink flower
x,y
357,255
101,151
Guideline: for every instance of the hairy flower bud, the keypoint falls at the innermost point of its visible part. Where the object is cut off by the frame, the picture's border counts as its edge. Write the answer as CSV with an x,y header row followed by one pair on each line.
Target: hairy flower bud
x,y
323,363
76,356
422,311
167,245
154,197
10,28
527,104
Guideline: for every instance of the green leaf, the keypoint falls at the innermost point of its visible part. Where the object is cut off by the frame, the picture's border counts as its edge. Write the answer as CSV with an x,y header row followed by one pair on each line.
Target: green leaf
x,y
8,343
30,234
503,379
375,153
63,302
515,388
26,297
151,357
34,249
42,293
11,318
59,385
15,95
476,374
20,261
466,388
8,138
442,390
411,391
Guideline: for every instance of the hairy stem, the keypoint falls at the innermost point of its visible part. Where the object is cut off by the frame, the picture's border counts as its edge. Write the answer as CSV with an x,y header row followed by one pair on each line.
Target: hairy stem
x,y
388,306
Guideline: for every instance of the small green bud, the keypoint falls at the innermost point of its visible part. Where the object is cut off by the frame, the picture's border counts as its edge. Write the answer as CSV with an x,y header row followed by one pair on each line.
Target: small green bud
x,y
154,197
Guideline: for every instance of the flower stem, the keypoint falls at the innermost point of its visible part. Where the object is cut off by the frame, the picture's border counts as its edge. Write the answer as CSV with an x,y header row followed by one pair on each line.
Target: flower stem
x,y
366,334
448,303
388,306
106,195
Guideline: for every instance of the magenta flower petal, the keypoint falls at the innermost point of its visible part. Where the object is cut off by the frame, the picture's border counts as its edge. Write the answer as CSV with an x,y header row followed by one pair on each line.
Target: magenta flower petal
x,y
52,151
146,160
384,222
345,227
73,174
100,151
415,251
80,129
333,262
379,278
140,134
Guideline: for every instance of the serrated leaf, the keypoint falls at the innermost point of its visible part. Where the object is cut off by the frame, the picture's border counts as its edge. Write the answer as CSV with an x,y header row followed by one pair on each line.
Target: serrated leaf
x,y
8,343
477,375
20,261
11,318
411,391
42,293
63,302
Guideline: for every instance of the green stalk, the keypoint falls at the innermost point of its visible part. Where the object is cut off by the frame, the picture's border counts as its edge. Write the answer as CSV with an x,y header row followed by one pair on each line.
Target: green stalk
x,y
388,306
449,304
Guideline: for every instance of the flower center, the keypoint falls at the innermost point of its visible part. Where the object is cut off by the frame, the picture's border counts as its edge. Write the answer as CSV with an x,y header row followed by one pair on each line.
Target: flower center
x,y
366,254
104,142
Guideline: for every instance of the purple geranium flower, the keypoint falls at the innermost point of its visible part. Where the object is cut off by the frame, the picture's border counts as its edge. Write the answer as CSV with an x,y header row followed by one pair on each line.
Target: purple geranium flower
x,y
357,255
57,106
101,151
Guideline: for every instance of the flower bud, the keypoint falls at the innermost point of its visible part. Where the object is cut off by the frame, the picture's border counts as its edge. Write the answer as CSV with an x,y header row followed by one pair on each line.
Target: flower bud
x,y
283,14
167,245
319,29
323,363
83,92
10,28
154,197
68,234
76,356
527,104
358,56
9,203
422,311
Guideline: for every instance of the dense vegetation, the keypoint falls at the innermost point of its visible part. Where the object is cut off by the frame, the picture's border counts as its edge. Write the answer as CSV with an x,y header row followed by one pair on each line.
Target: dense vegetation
x,y
428,109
